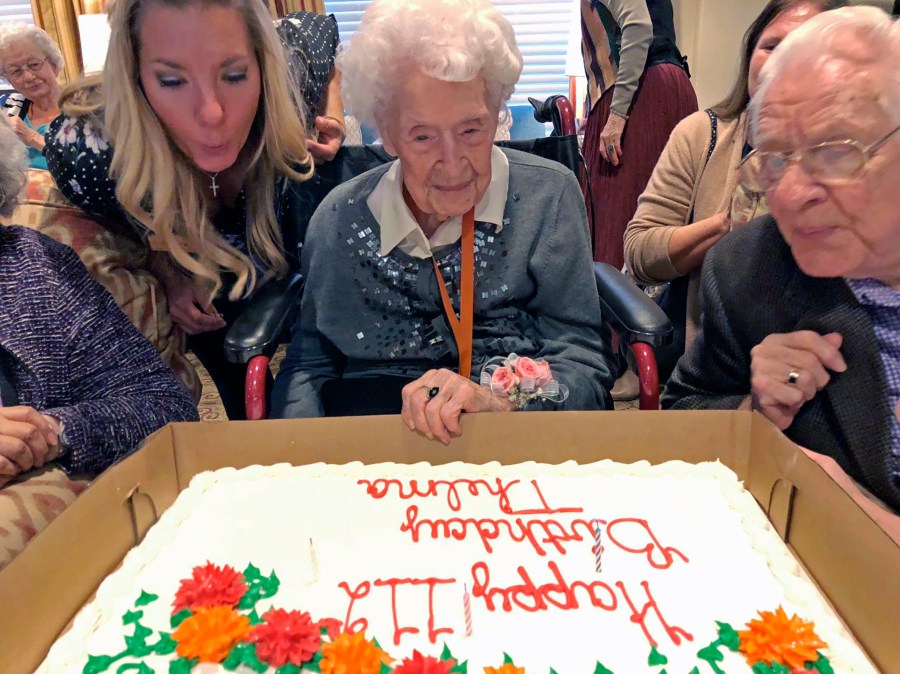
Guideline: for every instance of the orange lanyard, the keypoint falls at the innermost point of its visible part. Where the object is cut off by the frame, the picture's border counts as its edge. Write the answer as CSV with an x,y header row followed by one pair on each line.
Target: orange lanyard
x,y
462,326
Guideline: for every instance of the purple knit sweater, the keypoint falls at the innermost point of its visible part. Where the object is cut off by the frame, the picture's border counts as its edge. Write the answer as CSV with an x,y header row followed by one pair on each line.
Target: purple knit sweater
x,y
72,354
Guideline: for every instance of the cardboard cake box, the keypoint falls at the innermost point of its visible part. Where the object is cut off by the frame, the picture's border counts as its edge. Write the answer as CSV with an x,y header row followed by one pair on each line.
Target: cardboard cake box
x,y
855,563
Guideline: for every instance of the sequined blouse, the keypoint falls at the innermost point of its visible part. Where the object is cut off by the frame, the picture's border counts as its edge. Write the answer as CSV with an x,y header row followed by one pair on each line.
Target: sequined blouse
x,y
367,314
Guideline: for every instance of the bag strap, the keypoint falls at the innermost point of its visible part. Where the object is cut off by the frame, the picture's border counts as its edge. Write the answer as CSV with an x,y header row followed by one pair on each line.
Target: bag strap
x,y
713,137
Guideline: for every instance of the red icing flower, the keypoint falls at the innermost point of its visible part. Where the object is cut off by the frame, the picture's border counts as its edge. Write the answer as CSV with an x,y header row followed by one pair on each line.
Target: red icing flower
x,y
332,627
421,664
286,637
210,586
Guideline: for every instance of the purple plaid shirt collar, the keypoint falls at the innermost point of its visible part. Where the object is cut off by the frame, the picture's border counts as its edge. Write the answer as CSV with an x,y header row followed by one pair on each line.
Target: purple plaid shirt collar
x,y
882,303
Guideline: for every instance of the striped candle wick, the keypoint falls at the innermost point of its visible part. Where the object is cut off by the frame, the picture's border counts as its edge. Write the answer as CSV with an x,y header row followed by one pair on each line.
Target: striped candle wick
x,y
598,549
467,610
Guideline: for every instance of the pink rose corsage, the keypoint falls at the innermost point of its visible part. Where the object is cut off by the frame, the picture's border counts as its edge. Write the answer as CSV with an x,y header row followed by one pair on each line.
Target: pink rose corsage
x,y
522,380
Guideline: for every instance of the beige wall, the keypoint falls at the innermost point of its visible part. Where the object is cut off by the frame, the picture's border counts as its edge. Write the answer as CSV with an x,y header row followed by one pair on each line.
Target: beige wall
x,y
710,32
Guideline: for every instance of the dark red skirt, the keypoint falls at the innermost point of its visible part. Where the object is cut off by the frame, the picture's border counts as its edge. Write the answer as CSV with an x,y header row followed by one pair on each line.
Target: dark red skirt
x,y
664,97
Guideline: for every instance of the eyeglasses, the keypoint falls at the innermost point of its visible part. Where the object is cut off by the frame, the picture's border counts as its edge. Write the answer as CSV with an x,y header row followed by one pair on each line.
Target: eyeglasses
x,y
31,66
833,163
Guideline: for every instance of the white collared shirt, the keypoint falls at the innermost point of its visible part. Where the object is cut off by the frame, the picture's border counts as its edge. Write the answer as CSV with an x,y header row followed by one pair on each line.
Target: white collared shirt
x,y
399,227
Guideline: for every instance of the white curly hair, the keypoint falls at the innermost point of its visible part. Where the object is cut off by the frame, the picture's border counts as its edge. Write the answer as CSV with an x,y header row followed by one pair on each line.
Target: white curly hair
x,y
864,36
13,165
14,32
450,40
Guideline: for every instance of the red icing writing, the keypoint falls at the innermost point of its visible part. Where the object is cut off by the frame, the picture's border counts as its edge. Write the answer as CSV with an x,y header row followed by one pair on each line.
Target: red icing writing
x,y
380,488
674,633
532,598
668,554
361,591
431,582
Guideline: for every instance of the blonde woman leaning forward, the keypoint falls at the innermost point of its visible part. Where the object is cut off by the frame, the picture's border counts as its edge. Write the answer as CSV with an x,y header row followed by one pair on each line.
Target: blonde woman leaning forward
x,y
30,61
693,200
195,138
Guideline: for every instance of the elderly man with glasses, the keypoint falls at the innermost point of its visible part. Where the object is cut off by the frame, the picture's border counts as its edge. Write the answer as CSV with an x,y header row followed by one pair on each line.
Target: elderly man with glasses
x,y
801,309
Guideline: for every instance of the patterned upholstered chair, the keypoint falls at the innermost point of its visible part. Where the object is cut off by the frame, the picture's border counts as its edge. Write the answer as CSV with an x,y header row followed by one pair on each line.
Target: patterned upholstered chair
x,y
28,505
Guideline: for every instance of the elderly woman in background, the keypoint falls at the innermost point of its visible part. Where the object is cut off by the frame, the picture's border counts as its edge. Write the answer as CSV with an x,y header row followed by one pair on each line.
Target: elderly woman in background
x,y
31,62
421,271
800,308
197,135
694,196
78,384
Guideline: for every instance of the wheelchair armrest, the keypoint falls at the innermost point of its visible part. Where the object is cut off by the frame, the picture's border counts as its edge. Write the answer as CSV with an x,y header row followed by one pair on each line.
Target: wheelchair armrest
x,y
629,311
261,324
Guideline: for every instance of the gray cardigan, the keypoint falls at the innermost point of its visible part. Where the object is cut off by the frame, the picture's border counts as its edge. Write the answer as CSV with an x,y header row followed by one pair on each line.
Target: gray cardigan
x,y
367,315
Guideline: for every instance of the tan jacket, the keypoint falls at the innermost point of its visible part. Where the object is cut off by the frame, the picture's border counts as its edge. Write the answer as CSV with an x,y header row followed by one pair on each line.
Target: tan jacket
x,y
683,180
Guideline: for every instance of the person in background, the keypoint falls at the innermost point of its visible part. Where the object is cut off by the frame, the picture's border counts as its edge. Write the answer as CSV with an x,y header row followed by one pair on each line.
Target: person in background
x,y
196,138
694,196
638,90
31,62
78,384
800,317
396,317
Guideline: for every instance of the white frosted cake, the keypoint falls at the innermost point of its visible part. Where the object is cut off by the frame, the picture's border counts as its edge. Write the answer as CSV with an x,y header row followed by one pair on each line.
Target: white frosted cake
x,y
482,564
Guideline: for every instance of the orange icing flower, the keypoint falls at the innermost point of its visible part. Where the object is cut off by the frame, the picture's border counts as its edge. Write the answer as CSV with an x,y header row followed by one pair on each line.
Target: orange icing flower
x,y
352,654
774,637
210,585
506,668
210,633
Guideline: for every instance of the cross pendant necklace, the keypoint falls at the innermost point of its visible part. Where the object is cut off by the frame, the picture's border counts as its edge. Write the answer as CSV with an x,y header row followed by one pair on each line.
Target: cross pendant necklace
x,y
214,186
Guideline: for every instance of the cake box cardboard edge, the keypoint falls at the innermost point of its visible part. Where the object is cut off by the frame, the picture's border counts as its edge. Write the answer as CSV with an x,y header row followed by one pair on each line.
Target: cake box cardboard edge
x,y
854,562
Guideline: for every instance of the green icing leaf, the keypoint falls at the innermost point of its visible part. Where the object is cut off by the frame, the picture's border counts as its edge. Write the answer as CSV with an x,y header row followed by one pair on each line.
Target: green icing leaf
x,y
600,669
132,617
445,652
139,667
146,598
180,666
507,660
180,617
553,671
773,668
137,646
254,617
656,658
251,573
288,669
234,659
728,636
695,670
460,668
100,663
822,665
165,645
712,655
385,669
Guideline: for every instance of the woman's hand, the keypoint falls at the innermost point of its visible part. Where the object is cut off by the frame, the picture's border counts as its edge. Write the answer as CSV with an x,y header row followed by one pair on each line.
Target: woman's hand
x,y
28,439
612,135
786,371
438,416
25,133
189,302
331,136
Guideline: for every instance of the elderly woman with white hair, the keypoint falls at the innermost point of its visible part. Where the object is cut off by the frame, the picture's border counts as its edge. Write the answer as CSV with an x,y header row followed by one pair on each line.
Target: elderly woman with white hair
x,y
31,62
458,262
800,308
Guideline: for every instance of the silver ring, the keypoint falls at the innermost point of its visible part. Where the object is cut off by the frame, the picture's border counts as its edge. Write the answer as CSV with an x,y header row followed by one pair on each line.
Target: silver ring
x,y
793,377
432,391
610,148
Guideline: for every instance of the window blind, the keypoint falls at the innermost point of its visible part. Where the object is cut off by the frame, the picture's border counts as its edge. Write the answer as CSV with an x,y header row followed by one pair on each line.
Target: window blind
x,y
542,32
15,11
